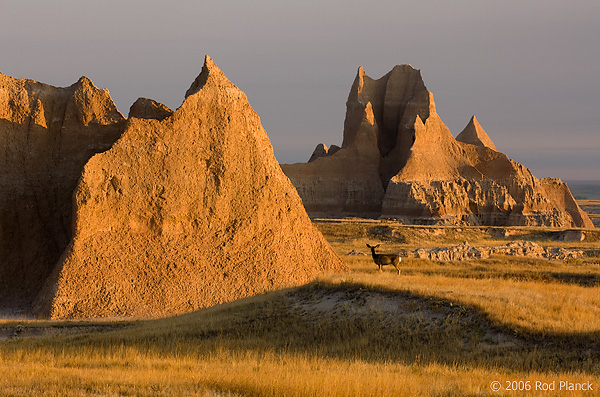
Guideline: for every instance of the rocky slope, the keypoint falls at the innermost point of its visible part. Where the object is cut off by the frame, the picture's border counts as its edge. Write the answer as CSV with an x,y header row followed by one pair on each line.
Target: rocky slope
x,y
47,134
188,209
399,160
465,252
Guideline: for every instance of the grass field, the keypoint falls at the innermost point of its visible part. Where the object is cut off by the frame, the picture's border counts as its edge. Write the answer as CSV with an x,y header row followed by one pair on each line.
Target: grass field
x,y
592,207
438,328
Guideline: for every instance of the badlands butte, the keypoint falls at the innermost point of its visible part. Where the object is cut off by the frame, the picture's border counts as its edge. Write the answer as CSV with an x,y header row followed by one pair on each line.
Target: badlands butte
x,y
166,212
163,213
399,160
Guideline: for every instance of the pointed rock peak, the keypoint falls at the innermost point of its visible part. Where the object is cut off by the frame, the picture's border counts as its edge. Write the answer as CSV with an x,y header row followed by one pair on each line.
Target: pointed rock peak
x,y
369,116
211,75
209,63
432,109
359,82
474,134
320,151
418,126
92,104
83,82
474,123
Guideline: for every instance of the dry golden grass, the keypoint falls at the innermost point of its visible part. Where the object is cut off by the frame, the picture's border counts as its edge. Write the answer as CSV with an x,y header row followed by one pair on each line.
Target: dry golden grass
x,y
346,236
127,372
263,346
589,202
530,294
546,307
437,329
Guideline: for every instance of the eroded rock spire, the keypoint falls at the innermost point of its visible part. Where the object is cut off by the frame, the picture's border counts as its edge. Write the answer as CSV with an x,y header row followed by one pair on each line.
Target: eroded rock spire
x,y
399,160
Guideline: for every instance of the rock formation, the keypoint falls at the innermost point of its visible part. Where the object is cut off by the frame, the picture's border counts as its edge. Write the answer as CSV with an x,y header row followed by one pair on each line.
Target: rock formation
x,y
475,135
145,108
464,252
47,134
321,151
185,211
399,160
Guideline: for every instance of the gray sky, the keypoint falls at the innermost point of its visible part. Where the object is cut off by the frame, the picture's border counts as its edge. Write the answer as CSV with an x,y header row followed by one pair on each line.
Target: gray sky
x,y
528,69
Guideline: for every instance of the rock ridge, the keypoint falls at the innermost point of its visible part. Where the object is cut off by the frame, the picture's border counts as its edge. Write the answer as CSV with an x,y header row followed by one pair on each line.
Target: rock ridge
x,y
182,213
464,252
399,160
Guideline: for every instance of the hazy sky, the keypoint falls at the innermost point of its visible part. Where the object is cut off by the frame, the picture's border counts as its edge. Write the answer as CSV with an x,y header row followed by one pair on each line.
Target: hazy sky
x,y
529,70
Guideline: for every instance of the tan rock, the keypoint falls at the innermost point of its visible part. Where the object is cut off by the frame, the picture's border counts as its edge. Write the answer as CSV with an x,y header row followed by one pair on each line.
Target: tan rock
x,y
145,108
378,134
473,184
320,151
185,213
47,134
392,131
474,134
346,182
465,252
379,114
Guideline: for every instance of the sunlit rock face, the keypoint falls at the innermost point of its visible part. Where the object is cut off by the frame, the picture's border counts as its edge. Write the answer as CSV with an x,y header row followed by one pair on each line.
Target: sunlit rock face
x,y
186,210
399,160
474,134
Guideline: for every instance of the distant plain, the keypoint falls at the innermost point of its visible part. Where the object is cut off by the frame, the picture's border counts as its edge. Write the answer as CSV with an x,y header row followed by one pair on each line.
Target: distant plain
x,y
585,190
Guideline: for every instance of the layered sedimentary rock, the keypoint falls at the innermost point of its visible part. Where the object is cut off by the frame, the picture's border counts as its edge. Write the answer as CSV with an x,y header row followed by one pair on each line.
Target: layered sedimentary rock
x,y
47,134
184,212
346,182
401,160
465,252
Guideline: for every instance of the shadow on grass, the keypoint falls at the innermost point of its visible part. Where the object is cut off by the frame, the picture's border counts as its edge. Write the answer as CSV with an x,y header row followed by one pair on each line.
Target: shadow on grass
x,y
354,322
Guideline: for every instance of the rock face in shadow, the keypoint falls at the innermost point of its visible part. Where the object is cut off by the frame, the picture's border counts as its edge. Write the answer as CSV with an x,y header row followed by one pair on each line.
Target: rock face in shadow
x,y
399,160
321,151
185,212
47,134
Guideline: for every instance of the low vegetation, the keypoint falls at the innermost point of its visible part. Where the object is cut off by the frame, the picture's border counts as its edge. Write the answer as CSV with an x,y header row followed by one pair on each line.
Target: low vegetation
x,y
438,328
592,207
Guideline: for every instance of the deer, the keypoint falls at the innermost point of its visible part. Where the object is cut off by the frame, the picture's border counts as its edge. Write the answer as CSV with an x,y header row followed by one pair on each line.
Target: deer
x,y
385,259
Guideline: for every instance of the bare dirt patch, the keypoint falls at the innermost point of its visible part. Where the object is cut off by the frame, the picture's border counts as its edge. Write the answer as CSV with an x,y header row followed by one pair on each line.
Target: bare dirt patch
x,y
359,303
